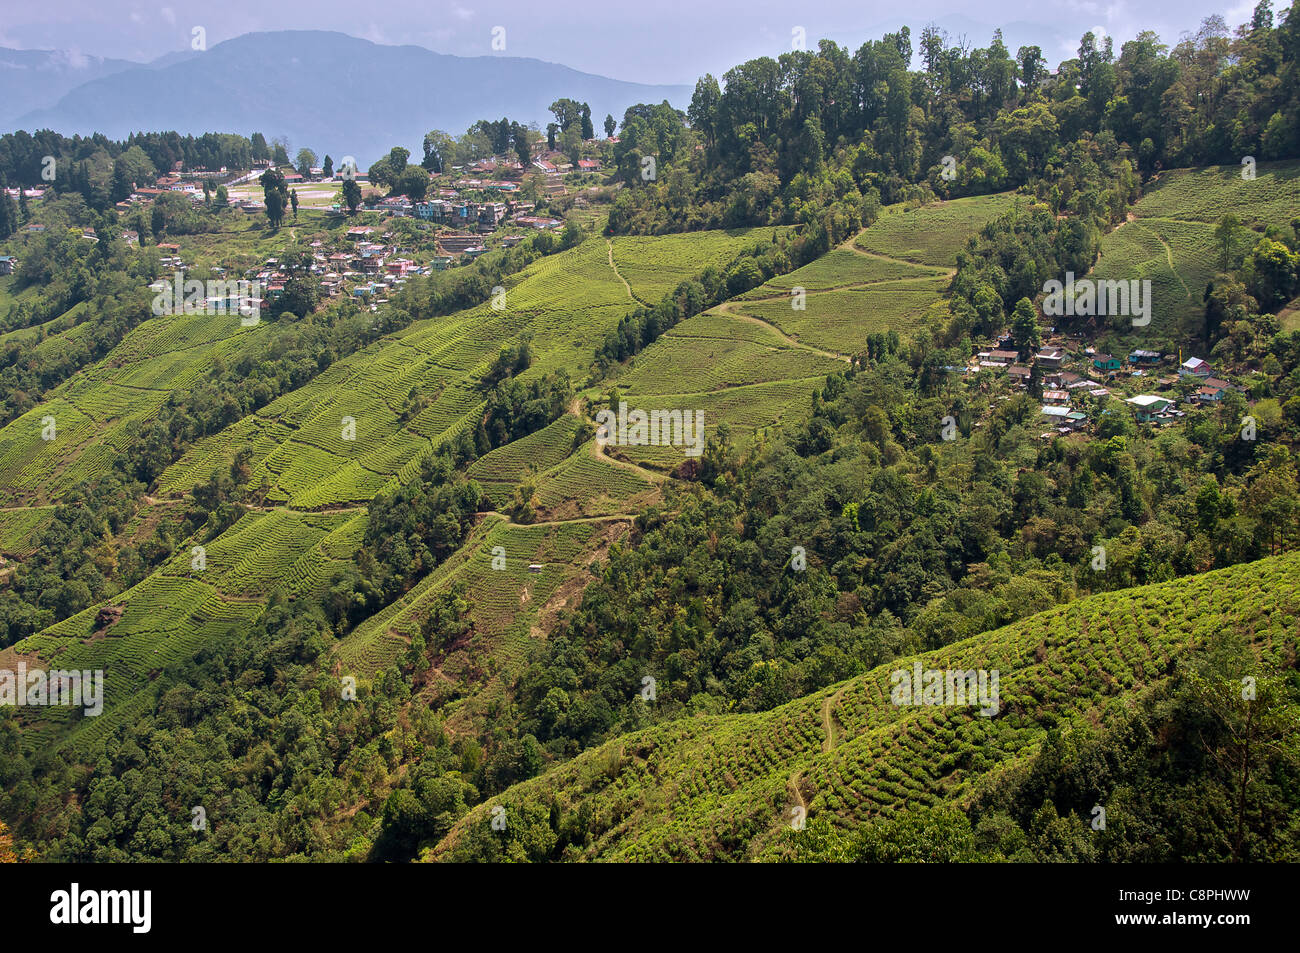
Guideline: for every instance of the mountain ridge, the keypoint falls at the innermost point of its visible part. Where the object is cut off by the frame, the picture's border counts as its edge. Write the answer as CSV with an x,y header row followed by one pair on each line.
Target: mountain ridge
x,y
317,77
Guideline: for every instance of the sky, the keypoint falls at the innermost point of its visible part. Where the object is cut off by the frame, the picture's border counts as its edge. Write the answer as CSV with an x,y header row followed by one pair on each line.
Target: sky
x,y
651,41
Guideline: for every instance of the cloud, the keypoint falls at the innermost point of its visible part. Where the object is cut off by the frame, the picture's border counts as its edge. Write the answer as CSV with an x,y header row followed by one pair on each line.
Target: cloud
x,y
168,14
1241,13
461,13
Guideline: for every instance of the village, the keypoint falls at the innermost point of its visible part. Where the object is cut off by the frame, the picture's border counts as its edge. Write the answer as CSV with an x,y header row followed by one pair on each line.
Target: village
x,y
1074,380
468,210
495,202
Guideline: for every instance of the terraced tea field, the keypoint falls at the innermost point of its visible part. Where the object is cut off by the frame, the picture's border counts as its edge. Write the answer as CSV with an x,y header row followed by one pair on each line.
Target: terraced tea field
x,y
94,411
685,358
654,266
177,610
19,527
933,234
722,787
509,604
846,266
320,454
840,320
1206,195
304,453
1170,241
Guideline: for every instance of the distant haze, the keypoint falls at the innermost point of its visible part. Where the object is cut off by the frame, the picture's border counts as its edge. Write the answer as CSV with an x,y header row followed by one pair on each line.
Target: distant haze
x,y
332,93
665,41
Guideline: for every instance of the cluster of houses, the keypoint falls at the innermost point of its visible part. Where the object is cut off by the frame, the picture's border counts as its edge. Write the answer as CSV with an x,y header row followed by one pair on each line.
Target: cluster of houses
x,y
366,265
1062,378
31,194
453,209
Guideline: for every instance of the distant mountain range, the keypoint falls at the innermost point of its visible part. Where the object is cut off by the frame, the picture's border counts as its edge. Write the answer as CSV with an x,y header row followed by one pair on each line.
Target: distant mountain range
x,y
38,78
331,92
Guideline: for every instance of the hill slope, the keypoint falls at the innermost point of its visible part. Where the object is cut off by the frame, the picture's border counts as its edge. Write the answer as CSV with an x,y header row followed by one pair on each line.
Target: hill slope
x,y
724,787
37,79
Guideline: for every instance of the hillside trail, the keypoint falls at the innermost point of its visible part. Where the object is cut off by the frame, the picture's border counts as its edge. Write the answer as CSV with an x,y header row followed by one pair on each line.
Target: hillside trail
x,y
828,743
1169,257
609,247
727,308
848,286
652,476
828,720
850,244
575,410
793,786
577,519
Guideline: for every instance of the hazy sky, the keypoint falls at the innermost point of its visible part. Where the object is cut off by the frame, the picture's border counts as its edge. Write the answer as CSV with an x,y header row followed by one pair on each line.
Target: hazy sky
x,y
643,40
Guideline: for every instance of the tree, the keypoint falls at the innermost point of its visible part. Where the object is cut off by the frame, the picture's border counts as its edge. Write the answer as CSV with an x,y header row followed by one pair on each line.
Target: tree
x,y
1024,326
551,129
306,162
413,182
1271,273
275,195
351,196
8,215
523,148
610,126
568,112
1262,18
1033,68
397,157
387,170
587,131
328,167
704,108
293,200
439,147
223,197
280,154
1225,235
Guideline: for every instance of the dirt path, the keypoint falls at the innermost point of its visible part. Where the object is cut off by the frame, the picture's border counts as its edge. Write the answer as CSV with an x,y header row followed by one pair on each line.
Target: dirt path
x,y
1169,257
599,454
828,720
576,519
609,245
793,785
727,306
852,245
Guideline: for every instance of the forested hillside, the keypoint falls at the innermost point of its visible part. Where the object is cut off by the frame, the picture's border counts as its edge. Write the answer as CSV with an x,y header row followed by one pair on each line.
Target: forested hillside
x,y
1132,702
381,576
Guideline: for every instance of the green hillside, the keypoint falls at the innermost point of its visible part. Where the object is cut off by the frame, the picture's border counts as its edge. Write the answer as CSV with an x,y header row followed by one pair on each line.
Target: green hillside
x,y
371,574
1170,240
933,234
723,787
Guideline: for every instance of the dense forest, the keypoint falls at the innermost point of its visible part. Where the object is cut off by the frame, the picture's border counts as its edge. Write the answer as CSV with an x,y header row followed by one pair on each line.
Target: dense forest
x,y
807,135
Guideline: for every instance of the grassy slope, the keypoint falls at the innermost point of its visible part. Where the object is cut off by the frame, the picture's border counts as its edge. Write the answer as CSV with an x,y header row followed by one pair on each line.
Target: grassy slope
x,y
749,370
299,453
933,234
1171,239
722,787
